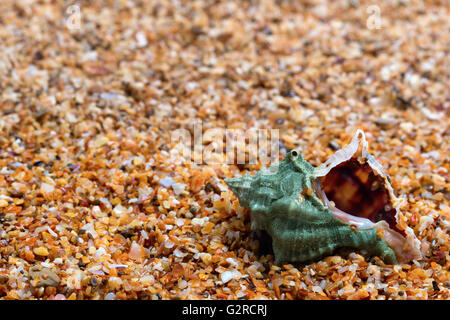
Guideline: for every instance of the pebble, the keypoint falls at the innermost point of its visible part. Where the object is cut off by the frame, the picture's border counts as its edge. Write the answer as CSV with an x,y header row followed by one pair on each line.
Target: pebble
x,y
407,126
110,296
3,278
41,251
48,277
230,275
93,282
47,188
178,188
166,182
100,142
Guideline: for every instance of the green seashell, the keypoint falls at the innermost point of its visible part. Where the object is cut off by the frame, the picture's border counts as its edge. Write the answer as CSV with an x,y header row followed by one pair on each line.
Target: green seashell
x,y
287,201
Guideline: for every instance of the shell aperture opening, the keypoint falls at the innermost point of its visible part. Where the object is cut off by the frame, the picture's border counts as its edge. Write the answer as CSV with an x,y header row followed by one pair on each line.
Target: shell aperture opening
x,y
355,189
353,185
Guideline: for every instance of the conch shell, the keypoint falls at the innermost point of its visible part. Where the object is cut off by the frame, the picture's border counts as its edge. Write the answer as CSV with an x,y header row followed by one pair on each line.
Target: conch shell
x,y
310,212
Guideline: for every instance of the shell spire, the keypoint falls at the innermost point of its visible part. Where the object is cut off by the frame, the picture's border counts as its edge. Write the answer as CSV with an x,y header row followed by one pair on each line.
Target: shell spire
x,y
241,187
